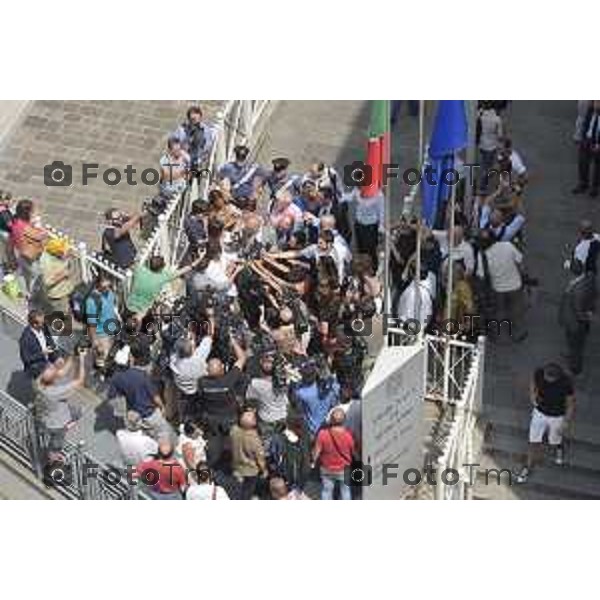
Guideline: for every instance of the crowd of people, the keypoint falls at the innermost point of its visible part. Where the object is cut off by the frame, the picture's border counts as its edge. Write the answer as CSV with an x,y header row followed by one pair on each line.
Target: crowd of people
x,y
240,365
239,368
487,258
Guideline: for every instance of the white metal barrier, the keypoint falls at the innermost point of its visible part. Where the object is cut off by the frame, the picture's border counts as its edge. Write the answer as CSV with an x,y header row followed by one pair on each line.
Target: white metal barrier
x,y
239,122
454,377
458,445
449,363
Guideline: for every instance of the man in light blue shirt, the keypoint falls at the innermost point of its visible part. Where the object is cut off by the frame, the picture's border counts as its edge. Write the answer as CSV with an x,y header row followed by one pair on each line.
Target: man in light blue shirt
x,y
102,320
315,397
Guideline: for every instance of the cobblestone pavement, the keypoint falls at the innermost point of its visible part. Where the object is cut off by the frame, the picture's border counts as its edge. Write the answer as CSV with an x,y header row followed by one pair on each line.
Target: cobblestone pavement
x,y
108,132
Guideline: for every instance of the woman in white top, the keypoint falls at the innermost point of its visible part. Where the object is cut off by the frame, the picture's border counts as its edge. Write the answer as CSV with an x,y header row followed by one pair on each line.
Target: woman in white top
x,y
204,487
191,446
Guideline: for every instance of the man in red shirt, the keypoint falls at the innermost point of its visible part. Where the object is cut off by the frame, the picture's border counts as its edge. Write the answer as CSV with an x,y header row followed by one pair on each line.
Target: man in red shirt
x,y
334,448
164,476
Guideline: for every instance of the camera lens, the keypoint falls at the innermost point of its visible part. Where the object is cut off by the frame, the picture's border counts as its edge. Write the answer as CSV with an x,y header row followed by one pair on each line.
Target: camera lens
x,y
357,475
357,175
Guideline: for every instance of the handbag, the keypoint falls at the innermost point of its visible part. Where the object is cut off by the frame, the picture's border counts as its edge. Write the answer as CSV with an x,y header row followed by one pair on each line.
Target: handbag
x,y
483,290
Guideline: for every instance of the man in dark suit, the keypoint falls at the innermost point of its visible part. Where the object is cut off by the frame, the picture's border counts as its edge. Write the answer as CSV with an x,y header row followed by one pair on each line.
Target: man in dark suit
x,y
575,313
36,346
589,151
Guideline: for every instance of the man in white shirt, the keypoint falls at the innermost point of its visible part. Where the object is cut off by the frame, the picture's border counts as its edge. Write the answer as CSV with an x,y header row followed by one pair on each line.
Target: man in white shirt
x,y
416,303
188,365
488,134
503,263
134,444
588,247
327,223
462,250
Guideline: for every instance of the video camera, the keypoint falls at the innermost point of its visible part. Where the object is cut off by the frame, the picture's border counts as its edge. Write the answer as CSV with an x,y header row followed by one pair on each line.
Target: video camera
x,y
152,208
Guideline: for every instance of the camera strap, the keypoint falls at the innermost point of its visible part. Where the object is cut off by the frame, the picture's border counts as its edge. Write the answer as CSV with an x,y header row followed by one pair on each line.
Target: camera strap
x,y
337,448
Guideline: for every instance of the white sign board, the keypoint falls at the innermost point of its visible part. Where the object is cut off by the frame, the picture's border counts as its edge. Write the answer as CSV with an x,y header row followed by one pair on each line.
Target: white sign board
x,y
392,420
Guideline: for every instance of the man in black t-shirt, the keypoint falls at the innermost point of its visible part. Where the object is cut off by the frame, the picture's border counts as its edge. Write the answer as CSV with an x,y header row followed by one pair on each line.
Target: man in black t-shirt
x,y
553,400
218,394
117,244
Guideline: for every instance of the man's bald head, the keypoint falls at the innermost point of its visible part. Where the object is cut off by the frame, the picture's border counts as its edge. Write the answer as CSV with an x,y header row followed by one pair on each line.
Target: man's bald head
x,y
215,367
252,222
338,416
165,447
586,228
278,488
327,222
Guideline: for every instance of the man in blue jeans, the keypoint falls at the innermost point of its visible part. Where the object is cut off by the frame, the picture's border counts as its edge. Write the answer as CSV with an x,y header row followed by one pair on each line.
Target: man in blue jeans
x,y
334,449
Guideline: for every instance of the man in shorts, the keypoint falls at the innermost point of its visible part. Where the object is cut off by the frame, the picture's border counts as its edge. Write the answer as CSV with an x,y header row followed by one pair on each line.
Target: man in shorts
x,y
553,399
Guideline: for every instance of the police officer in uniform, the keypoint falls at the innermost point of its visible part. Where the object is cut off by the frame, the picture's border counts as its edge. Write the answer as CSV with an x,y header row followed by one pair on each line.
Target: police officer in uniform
x,y
280,179
243,177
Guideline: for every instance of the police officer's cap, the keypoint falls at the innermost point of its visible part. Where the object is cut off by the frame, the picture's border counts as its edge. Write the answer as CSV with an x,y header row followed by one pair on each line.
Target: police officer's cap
x,y
241,152
280,164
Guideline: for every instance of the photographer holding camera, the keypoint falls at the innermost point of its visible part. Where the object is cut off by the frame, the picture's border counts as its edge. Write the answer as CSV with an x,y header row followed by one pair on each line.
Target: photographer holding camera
x,y
54,388
117,245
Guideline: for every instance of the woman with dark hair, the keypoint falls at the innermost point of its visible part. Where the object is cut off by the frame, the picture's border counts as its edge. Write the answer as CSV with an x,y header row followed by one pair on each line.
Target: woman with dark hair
x,y
27,239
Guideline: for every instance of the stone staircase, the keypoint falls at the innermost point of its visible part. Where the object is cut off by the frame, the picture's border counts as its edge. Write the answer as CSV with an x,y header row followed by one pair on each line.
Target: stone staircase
x,y
110,133
505,447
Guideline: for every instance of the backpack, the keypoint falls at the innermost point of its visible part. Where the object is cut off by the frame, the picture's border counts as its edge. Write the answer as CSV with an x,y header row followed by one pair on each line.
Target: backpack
x,y
6,218
78,300
286,459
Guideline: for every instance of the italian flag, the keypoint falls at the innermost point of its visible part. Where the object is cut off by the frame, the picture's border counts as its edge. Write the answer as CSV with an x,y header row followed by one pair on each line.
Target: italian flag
x,y
378,149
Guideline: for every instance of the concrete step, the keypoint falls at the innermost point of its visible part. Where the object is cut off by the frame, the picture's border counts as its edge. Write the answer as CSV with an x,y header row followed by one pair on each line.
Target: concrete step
x,y
504,419
18,483
579,478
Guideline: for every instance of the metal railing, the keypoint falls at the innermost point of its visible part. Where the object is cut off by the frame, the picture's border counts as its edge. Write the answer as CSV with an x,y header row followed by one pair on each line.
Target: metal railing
x,y
457,445
24,439
449,363
454,378
239,122
18,435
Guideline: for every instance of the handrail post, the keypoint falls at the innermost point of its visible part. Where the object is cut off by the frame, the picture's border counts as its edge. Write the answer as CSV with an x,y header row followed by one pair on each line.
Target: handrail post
x,y
85,271
163,238
34,441
221,143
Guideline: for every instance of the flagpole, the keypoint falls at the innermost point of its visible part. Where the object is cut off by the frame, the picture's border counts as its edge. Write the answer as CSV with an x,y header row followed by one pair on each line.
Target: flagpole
x,y
451,248
421,131
419,222
386,218
449,290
